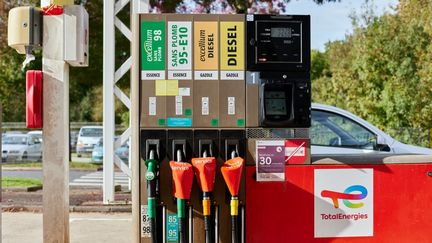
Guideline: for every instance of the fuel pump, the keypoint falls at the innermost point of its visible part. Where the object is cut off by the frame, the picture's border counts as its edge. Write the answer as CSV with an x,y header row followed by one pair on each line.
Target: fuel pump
x,y
216,86
278,71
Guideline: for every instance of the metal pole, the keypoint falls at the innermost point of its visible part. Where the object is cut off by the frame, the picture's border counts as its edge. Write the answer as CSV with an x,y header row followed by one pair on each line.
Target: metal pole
x,y
108,100
55,133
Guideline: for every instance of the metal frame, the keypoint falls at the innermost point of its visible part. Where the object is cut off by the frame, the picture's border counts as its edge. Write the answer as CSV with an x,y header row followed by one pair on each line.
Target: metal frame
x,y
110,90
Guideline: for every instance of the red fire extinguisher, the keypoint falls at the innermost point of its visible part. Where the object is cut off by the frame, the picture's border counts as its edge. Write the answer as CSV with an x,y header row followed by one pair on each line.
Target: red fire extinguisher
x,y
34,98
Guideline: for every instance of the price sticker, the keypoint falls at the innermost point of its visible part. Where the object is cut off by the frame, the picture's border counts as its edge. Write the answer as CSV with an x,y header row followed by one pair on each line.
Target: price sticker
x,y
145,222
172,234
270,160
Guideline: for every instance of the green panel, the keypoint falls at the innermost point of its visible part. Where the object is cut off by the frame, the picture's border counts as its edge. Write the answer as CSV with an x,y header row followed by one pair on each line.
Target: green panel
x,y
161,122
188,112
240,122
153,45
215,122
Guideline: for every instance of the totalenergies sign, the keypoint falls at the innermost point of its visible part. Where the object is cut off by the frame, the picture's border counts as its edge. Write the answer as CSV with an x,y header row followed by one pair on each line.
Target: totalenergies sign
x,y
347,195
343,202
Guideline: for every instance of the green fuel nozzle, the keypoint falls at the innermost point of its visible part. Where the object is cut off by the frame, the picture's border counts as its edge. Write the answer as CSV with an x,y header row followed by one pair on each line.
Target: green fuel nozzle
x,y
151,169
150,175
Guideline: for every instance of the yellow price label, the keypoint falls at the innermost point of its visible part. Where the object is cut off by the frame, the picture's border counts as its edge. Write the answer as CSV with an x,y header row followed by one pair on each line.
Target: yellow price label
x,y
206,45
232,45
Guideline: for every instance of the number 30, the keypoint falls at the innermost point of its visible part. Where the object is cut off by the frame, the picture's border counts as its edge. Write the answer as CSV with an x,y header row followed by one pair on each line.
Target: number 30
x,y
265,161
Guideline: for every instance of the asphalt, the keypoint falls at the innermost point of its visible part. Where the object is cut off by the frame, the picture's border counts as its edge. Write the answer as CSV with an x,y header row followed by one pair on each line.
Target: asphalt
x,y
26,227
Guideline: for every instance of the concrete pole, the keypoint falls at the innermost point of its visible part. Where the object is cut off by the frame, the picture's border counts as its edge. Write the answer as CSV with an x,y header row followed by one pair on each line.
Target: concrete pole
x,y
55,133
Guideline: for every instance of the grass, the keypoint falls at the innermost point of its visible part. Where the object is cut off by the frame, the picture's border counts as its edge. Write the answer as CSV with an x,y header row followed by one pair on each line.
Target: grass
x,y
72,165
80,165
25,164
20,182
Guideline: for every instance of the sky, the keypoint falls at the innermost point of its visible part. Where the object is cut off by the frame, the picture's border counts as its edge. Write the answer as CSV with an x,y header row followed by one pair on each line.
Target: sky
x,y
330,21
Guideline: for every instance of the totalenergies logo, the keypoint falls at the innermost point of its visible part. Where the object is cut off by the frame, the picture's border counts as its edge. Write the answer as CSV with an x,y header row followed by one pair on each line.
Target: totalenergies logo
x,y
354,192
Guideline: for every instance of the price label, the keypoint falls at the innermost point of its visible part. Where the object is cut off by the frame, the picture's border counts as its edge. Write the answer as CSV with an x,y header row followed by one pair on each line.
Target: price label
x,y
179,50
145,222
270,160
152,50
172,228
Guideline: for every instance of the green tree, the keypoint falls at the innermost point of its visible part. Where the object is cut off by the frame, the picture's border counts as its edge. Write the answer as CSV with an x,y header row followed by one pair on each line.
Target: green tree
x,y
85,83
382,72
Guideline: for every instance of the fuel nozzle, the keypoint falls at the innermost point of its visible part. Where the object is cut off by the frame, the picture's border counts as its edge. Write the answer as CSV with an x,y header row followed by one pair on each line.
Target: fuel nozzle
x,y
151,164
232,172
182,174
205,170
151,175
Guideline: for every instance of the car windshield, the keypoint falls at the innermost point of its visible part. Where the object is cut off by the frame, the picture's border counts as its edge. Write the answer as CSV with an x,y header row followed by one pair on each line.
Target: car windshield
x,y
329,129
91,132
14,140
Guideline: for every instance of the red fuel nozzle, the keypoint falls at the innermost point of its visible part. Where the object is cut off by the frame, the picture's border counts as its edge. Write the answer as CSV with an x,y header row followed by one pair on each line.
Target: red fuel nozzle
x,y
232,172
183,179
205,169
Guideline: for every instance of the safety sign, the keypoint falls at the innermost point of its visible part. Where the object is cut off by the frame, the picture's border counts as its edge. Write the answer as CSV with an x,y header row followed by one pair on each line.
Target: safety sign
x,y
296,151
270,160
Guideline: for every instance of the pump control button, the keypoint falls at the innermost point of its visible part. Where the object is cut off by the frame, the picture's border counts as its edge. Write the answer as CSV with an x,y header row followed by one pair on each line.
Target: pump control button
x,y
302,86
252,42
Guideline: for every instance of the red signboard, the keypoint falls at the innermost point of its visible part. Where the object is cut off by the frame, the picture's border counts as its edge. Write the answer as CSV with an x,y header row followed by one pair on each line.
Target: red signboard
x,y
284,211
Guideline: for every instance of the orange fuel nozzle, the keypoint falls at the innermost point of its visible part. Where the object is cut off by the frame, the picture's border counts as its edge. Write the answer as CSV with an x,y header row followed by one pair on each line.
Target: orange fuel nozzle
x,y
232,172
205,169
183,179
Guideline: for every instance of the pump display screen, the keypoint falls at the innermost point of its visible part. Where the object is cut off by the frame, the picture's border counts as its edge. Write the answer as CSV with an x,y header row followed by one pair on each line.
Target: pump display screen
x,y
275,103
280,32
278,42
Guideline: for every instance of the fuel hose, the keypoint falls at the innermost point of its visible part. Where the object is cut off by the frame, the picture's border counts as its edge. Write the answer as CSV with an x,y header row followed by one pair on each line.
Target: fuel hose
x,y
150,176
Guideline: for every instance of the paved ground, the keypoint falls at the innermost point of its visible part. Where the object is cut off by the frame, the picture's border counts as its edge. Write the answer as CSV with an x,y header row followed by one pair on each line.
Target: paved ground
x,y
76,177
89,199
84,228
95,179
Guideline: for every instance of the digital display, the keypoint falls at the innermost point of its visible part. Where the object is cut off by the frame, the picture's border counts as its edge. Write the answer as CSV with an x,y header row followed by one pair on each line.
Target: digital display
x,y
280,32
275,103
275,95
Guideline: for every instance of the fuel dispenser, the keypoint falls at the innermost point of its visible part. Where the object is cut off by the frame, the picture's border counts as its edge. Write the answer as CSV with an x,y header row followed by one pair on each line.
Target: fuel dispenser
x,y
214,89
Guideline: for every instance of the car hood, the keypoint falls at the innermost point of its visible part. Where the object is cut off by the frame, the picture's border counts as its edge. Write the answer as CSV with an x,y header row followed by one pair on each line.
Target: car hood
x,y
401,148
89,140
9,147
